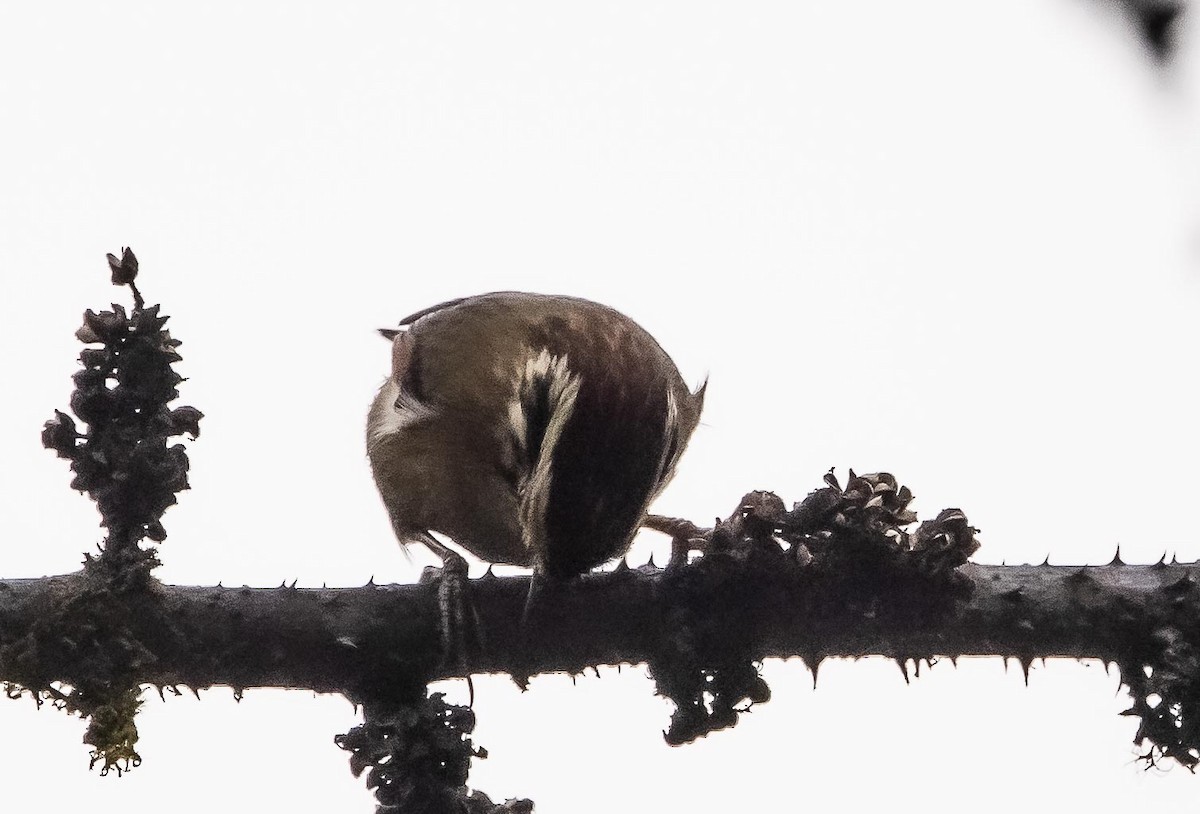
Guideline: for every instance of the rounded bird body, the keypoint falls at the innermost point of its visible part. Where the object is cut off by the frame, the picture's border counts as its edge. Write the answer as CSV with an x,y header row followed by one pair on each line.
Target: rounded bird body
x,y
530,429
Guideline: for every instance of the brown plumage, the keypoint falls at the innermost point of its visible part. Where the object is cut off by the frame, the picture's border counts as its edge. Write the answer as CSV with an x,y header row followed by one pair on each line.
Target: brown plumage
x,y
529,429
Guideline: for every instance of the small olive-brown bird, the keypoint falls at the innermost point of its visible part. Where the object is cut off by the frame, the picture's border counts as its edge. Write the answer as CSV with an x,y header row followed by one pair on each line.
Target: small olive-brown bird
x,y
529,429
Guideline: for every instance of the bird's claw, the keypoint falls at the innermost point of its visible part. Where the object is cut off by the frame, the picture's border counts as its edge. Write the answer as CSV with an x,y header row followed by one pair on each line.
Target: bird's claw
x,y
685,535
456,612
757,516
458,620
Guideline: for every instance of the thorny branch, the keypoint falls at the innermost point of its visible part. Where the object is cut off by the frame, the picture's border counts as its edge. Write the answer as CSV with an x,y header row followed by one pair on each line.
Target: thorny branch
x,y
842,573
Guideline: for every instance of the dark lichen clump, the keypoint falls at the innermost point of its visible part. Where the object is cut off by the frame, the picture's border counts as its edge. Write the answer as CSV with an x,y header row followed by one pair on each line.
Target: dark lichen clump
x,y
417,754
842,552
126,463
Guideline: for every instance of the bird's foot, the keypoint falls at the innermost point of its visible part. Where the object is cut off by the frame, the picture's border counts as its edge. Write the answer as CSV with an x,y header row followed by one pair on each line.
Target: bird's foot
x,y
685,535
757,517
458,621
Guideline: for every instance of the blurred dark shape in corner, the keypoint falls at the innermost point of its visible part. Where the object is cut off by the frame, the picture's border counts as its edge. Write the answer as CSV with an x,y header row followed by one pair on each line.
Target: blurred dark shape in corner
x,y
1155,21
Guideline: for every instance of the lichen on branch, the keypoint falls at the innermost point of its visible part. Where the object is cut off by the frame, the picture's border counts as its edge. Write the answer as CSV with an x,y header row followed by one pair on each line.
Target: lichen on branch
x,y
125,461
838,552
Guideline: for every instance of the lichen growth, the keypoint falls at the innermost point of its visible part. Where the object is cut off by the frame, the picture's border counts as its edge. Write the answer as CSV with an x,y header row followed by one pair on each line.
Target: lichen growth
x,y
416,755
843,551
125,461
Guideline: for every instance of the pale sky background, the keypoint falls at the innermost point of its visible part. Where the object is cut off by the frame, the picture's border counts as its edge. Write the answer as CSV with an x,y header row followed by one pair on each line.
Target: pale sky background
x,y
958,242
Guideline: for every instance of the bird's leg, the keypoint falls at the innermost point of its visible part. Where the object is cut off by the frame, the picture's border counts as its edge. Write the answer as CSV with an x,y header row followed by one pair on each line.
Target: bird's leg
x,y
453,602
685,535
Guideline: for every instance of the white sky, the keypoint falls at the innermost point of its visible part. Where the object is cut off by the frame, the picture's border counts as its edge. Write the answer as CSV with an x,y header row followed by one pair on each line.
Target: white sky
x,y
959,244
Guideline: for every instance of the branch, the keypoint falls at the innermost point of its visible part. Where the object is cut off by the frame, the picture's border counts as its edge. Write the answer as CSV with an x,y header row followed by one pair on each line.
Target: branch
x,y
843,573
332,639
354,640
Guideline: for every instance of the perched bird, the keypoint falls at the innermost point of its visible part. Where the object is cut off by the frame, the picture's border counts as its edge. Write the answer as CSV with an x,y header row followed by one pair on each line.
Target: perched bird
x,y
529,429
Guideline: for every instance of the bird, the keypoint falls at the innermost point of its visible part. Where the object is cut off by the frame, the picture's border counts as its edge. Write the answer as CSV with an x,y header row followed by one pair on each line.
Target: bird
x,y
529,429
